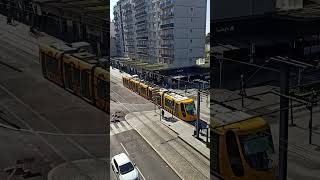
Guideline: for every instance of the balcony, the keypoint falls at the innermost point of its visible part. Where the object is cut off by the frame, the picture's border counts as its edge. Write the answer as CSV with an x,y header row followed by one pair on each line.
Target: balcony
x,y
141,14
142,53
129,39
140,5
167,46
128,27
166,26
166,16
167,36
141,30
141,22
128,12
128,33
142,46
126,6
127,20
143,37
167,4
167,55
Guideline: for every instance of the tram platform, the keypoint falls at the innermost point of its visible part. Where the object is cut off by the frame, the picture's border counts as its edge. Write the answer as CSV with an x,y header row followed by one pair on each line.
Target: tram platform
x,y
18,34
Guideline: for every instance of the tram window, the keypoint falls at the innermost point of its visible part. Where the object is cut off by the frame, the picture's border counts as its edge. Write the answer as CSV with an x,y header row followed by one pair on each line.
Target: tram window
x,y
68,75
76,75
85,84
168,103
234,154
102,89
183,110
52,64
43,56
43,63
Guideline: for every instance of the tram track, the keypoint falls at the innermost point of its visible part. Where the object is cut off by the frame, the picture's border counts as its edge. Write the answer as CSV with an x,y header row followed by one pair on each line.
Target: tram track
x,y
131,108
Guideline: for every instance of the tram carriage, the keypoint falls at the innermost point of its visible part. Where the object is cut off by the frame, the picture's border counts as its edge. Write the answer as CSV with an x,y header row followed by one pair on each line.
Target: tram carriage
x,y
77,71
241,147
179,106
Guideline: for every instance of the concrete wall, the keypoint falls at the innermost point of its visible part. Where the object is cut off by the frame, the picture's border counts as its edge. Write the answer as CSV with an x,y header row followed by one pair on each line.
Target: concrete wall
x,y
189,32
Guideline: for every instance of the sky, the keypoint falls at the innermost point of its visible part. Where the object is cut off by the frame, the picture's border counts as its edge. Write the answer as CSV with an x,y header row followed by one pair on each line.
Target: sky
x,y
114,2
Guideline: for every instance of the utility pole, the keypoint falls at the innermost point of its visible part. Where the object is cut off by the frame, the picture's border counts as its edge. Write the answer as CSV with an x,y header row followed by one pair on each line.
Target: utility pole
x,y
283,139
198,113
220,81
242,90
310,107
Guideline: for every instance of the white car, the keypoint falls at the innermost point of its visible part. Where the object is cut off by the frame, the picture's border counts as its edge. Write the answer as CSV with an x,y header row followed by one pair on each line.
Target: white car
x,y
124,168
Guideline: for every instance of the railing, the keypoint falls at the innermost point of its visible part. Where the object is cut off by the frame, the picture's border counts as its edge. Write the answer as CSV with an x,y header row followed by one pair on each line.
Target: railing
x,y
141,4
166,4
170,25
167,45
142,37
168,36
140,52
142,45
166,16
141,30
167,55
140,14
140,22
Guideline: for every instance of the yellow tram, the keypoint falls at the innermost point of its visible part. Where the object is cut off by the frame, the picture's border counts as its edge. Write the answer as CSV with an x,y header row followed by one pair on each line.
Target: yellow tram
x,y
76,71
179,106
242,148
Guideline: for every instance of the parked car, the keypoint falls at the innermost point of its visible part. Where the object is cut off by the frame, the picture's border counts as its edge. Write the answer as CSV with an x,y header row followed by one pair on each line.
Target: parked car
x,y
124,168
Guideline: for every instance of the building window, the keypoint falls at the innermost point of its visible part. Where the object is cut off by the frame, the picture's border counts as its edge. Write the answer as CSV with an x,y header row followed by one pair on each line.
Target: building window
x,y
191,19
191,9
191,30
190,40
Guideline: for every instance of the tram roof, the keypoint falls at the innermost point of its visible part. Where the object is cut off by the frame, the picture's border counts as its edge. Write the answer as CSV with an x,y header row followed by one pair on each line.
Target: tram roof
x,y
237,121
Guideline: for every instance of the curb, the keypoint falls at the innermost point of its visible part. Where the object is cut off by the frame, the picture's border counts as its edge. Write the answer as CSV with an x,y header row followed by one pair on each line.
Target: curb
x,y
180,176
195,148
187,142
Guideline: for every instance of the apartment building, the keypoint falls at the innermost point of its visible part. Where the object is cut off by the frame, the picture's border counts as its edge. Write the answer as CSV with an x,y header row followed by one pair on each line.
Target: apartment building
x,y
161,31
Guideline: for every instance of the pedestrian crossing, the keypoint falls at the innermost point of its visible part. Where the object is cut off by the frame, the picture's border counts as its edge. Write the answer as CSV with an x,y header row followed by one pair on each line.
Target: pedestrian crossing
x,y
119,127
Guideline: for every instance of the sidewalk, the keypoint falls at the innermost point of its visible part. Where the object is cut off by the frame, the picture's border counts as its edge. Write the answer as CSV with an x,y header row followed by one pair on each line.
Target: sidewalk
x,y
173,141
185,132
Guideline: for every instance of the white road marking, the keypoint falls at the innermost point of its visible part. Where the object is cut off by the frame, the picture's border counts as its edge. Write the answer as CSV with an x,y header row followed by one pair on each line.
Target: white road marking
x,y
136,165
127,125
111,133
121,128
114,129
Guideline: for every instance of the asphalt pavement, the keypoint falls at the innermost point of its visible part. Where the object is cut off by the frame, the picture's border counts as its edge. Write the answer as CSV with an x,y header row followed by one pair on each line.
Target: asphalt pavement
x,y
58,126
148,162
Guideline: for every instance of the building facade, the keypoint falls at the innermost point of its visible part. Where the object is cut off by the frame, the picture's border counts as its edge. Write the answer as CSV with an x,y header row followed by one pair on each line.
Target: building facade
x,y
161,31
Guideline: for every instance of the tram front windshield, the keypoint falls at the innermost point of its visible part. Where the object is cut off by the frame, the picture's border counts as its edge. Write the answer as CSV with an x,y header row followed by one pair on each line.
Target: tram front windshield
x,y
258,150
190,108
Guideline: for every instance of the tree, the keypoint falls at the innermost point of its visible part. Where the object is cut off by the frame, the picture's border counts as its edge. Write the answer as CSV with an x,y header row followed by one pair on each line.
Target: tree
x,y
208,38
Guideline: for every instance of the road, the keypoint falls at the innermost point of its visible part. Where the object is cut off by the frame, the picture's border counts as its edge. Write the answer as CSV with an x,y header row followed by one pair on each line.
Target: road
x,y
148,163
126,140
56,126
